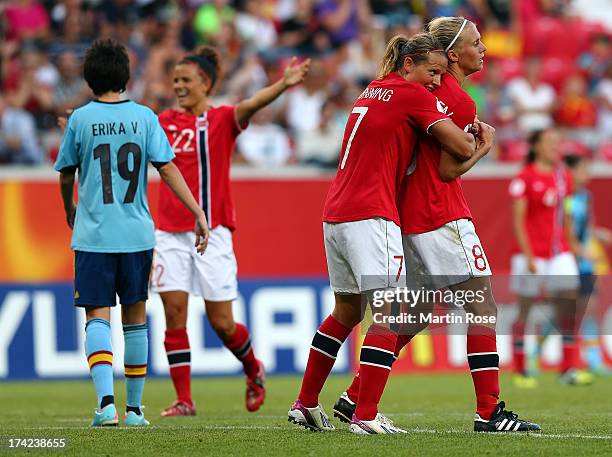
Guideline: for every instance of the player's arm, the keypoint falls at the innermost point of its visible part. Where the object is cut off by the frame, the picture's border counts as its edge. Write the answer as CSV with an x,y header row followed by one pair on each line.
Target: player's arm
x,y
519,212
66,181
455,141
451,168
171,175
294,74
570,233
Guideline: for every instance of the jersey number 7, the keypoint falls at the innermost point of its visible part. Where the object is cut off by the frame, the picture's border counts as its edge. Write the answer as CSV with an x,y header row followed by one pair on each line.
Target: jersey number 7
x,y
361,110
102,152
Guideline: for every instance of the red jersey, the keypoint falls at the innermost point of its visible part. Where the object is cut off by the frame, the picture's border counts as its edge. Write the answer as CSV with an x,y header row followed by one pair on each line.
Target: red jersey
x,y
545,193
426,202
378,142
203,146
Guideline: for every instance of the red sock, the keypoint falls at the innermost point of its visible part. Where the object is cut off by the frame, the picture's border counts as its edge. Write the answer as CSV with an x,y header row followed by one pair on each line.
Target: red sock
x,y
518,346
484,367
402,340
375,363
353,390
179,359
325,346
240,344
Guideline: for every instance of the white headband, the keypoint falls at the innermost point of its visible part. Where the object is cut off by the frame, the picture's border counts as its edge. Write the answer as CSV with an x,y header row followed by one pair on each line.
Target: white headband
x,y
465,21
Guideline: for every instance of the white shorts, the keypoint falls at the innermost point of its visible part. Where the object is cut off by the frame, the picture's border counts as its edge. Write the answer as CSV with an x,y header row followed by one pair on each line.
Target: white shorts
x,y
446,256
177,265
364,255
559,273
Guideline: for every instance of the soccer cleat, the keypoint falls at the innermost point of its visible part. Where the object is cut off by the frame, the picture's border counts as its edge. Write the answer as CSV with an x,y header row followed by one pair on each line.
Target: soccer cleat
x,y
313,419
503,420
574,377
524,382
132,419
107,417
256,390
179,408
380,425
344,408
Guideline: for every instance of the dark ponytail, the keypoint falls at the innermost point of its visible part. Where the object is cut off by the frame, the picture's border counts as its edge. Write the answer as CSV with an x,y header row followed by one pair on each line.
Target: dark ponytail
x,y
208,60
534,140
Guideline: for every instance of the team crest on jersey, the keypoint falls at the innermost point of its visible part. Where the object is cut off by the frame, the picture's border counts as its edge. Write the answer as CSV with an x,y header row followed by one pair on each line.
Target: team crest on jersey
x,y
442,107
202,123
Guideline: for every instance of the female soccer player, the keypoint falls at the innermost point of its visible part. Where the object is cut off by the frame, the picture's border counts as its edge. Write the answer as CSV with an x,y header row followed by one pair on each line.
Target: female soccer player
x,y
113,233
361,220
543,258
581,209
203,138
439,237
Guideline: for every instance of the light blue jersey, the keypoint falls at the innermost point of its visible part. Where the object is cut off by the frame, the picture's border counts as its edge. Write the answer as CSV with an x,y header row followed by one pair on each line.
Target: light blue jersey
x,y
110,145
579,208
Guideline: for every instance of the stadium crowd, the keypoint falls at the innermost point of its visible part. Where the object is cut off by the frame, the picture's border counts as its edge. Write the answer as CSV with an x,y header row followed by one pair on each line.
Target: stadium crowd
x,y
534,76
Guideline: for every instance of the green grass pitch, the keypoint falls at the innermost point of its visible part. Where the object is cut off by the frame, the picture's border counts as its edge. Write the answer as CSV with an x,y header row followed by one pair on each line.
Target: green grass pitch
x,y
436,409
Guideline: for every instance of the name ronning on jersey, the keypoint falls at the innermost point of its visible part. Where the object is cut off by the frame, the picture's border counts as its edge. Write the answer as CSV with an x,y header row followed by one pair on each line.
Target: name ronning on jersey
x,y
377,92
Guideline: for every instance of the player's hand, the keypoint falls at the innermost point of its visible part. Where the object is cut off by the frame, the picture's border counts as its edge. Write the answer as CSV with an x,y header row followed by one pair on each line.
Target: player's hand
x,y
70,215
486,134
62,121
531,265
295,72
475,129
202,233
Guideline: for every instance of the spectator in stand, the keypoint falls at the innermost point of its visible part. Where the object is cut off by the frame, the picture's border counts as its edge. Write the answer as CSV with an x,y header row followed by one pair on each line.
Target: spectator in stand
x,y
264,144
26,20
210,18
594,61
255,27
321,146
75,36
18,140
71,90
343,18
301,33
532,99
603,91
576,111
304,103
27,88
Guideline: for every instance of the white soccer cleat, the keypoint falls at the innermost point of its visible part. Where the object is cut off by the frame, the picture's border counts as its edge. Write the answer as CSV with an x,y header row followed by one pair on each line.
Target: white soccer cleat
x,y
380,425
313,419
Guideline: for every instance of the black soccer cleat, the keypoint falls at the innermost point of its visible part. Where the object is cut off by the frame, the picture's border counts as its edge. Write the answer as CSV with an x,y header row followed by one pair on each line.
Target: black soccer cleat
x,y
504,421
344,408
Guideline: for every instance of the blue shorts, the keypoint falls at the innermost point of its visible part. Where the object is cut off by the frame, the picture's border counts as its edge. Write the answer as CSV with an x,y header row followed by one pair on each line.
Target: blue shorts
x,y
100,276
587,284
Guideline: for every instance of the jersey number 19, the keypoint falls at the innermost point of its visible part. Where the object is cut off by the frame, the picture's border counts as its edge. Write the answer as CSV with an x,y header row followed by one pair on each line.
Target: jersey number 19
x,y
102,152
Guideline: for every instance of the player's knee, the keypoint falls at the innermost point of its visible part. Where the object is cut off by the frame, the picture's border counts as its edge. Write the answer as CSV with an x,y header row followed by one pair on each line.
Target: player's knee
x,y
485,308
347,317
223,326
175,315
